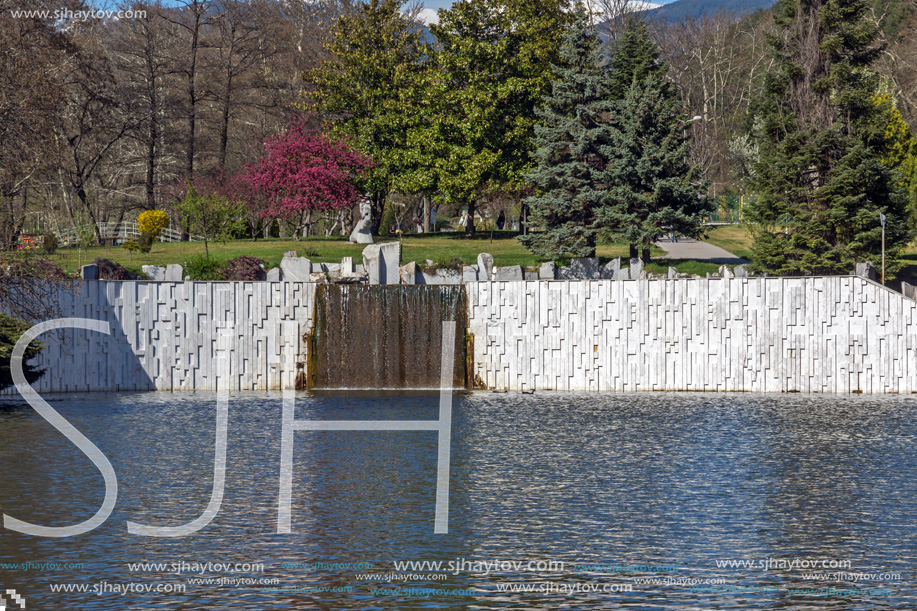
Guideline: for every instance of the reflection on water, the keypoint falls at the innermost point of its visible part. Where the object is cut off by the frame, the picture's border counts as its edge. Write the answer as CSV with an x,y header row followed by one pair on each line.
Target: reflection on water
x,y
628,479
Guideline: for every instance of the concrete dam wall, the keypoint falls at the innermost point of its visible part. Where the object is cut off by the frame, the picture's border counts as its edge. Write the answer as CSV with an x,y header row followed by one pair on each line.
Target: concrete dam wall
x,y
827,335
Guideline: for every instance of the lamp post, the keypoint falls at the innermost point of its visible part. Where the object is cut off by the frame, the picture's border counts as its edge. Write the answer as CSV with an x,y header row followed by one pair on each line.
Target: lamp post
x,y
882,222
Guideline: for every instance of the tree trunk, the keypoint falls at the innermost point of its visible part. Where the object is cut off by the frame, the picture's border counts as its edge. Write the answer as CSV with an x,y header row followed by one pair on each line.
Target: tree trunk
x,y
633,251
646,255
377,200
426,214
469,227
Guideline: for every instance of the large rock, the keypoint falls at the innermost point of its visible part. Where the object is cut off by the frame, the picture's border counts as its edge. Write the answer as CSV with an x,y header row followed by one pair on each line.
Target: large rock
x,y
673,273
725,272
509,273
529,276
174,273
612,269
442,276
156,273
909,290
382,261
296,269
408,273
485,267
547,271
347,268
89,272
635,271
866,270
470,273
741,271
273,274
584,269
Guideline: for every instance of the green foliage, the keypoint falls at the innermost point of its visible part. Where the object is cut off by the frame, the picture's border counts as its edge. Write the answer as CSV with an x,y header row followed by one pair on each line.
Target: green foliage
x,y
11,329
635,58
652,189
145,243
492,65
823,175
310,252
444,262
210,215
378,54
570,138
388,219
130,246
609,167
202,267
49,244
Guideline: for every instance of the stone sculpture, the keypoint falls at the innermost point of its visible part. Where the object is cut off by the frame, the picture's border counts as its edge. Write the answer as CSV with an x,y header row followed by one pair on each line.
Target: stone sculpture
x,y
362,233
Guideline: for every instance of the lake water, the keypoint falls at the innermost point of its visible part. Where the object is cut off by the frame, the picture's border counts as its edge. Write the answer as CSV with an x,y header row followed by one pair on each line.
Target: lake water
x,y
567,492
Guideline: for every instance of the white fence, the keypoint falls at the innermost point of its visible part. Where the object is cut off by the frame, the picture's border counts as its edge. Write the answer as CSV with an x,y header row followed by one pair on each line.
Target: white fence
x,y
116,231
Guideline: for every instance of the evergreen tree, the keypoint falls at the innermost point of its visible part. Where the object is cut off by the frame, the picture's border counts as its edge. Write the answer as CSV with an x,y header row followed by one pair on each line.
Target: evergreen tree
x,y
652,189
820,176
569,168
635,57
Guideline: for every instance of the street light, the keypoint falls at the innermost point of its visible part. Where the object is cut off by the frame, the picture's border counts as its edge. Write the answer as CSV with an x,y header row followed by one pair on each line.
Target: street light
x,y
882,222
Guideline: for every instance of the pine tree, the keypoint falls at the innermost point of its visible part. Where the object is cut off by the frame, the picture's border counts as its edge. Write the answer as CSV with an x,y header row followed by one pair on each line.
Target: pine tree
x,y
635,57
568,171
820,177
652,188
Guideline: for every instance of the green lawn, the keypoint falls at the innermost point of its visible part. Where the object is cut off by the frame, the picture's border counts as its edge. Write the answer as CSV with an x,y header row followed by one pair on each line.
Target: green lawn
x,y
505,249
734,238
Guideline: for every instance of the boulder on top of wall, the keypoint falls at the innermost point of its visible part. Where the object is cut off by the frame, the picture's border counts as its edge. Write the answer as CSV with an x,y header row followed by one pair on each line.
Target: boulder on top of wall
x,y
469,273
295,269
89,272
866,270
442,275
156,273
740,271
612,269
725,272
509,273
174,272
635,271
273,275
485,267
408,273
529,276
548,271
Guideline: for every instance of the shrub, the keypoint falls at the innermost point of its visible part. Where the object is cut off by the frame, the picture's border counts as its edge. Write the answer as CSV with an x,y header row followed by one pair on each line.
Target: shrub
x,y
243,268
11,329
130,246
444,262
202,267
49,244
145,242
310,252
109,270
152,222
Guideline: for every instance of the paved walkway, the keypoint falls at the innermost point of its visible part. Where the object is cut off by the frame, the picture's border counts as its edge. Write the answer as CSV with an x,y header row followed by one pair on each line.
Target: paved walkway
x,y
688,248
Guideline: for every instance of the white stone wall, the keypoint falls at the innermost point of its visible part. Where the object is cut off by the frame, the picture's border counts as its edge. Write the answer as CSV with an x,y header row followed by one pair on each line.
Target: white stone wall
x,y
834,335
164,335
826,335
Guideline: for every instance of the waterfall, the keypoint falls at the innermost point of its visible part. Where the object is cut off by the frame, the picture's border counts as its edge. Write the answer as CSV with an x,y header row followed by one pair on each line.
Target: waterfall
x,y
384,336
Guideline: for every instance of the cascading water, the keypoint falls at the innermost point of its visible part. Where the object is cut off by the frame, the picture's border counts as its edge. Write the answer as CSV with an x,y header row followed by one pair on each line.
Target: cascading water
x,y
385,336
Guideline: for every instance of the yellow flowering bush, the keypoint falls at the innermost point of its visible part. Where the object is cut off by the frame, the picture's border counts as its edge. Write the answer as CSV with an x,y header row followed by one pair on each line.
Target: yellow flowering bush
x,y
152,222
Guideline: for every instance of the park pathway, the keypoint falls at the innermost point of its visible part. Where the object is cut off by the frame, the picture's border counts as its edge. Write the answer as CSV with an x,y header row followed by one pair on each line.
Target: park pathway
x,y
688,248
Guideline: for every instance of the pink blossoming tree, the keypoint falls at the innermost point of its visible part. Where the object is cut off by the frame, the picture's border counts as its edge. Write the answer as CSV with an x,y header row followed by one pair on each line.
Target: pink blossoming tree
x,y
303,172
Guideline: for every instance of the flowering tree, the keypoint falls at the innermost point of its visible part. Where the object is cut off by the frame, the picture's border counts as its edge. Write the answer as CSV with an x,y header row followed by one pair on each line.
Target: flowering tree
x,y
302,172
